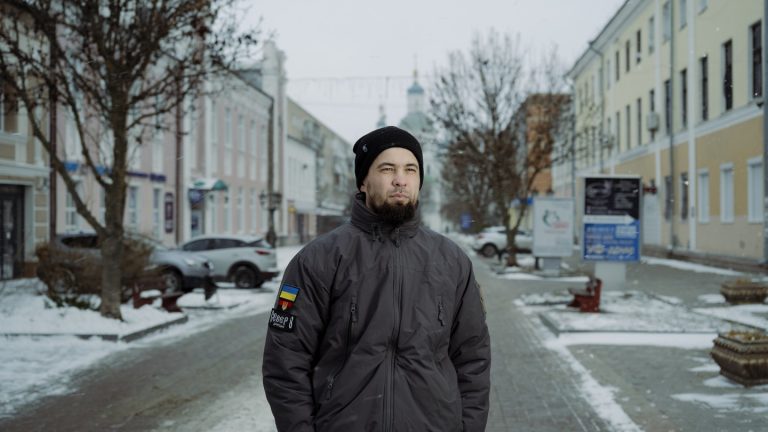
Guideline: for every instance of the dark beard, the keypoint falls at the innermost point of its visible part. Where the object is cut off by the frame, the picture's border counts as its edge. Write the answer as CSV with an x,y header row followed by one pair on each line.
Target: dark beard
x,y
395,214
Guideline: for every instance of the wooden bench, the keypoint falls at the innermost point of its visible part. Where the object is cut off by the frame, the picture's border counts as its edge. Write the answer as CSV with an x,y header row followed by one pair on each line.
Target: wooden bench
x,y
587,299
140,297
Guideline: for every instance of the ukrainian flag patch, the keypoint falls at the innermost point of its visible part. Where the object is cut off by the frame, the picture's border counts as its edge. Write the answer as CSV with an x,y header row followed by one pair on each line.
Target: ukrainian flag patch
x,y
287,296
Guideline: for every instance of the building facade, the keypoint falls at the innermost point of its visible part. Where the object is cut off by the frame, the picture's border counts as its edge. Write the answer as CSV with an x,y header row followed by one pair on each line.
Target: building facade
x,y
672,91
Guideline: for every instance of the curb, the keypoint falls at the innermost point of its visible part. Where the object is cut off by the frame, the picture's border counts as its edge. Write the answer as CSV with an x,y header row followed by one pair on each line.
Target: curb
x,y
110,337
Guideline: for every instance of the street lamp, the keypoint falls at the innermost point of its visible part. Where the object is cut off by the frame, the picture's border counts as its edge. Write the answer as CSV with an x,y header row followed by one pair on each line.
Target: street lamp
x,y
271,200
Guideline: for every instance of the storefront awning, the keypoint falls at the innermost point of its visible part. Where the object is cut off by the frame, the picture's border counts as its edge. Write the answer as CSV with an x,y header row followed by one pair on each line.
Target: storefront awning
x,y
209,184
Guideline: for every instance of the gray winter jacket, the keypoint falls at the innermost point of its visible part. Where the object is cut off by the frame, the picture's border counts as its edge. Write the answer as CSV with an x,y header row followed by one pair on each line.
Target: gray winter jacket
x,y
378,328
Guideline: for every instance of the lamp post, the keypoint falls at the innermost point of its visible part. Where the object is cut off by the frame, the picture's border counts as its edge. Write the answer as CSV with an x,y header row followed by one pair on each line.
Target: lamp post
x,y
271,200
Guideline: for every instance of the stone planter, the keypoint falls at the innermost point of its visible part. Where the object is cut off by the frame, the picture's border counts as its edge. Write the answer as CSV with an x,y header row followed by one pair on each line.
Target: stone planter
x,y
742,357
744,291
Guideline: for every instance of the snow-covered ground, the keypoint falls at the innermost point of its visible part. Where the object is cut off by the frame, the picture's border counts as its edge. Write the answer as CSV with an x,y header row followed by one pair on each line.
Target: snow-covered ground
x,y
36,366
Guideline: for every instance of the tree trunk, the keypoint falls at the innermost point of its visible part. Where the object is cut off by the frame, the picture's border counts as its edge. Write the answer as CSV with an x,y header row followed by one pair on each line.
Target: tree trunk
x,y
111,275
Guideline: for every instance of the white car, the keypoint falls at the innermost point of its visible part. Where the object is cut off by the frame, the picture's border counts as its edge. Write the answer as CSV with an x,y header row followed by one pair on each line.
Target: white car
x,y
491,240
246,261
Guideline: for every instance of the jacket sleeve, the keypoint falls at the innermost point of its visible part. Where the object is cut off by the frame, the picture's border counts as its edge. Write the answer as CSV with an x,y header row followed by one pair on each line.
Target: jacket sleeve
x,y
470,351
289,355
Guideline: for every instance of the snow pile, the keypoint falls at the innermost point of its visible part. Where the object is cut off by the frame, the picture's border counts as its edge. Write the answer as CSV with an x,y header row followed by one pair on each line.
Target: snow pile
x,y
631,311
753,315
683,265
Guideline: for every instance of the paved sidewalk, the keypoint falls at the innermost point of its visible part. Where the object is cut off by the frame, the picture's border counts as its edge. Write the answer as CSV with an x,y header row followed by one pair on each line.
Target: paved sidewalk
x,y
532,388
659,388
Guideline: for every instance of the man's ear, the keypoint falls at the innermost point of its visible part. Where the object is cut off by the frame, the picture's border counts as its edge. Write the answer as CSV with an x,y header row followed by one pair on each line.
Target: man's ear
x,y
362,187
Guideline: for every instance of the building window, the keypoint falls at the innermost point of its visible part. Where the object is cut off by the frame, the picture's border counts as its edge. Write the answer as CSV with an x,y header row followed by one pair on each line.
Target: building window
x,y
156,224
227,142
9,109
157,155
629,128
652,109
240,146
668,106
683,13
254,150
253,211
684,97
684,196
240,210
133,207
639,47
639,116
102,205
214,138
666,13
227,214
757,60
703,62
264,154
618,66
618,131
212,211
651,34
627,55
669,197
71,217
726,193
755,190
703,202
727,75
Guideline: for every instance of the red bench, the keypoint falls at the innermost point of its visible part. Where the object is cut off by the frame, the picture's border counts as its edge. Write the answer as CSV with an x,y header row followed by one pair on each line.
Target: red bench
x,y
169,299
587,299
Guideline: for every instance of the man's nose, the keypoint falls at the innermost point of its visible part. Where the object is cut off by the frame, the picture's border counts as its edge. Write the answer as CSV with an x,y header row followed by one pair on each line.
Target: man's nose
x,y
400,178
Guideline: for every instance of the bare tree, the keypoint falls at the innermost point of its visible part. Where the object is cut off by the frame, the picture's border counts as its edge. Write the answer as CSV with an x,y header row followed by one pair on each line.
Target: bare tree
x,y
498,112
115,67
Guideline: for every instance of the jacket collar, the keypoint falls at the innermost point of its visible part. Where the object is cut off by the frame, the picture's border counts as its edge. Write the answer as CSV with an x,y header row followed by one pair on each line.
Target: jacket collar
x,y
371,223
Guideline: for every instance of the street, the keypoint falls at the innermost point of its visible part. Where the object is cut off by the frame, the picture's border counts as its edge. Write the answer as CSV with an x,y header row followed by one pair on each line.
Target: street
x,y
211,380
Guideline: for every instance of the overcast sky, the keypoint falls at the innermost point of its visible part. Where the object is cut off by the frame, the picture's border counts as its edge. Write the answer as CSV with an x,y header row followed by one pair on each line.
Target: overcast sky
x,y
346,57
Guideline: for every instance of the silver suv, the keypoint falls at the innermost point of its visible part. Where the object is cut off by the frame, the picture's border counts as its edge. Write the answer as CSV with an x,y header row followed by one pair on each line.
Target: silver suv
x,y
246,261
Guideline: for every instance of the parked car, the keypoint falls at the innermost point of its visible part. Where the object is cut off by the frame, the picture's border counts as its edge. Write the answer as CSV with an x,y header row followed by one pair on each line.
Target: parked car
x,y
491,240
180,270
246,261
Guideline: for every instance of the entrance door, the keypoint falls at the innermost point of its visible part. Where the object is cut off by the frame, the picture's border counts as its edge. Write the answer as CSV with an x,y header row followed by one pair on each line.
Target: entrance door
x,y
11,231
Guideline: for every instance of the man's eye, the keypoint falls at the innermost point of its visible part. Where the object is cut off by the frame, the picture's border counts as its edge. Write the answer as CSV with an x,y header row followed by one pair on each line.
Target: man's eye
x,y
387,169
412,169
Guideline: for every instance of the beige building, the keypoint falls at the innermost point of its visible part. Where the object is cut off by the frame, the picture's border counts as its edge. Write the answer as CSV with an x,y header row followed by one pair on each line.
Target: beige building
x,y
671,90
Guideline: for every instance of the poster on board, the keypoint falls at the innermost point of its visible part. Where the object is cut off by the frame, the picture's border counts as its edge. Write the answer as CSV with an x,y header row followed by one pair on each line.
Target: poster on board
x,y
552,227
612,218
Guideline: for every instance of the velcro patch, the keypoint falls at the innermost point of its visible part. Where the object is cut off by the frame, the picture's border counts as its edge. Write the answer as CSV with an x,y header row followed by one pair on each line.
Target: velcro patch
x,y
282,320
287,296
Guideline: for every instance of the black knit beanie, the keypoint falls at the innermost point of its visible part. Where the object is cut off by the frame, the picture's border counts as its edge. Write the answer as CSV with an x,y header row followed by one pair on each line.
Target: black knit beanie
x,y
371,144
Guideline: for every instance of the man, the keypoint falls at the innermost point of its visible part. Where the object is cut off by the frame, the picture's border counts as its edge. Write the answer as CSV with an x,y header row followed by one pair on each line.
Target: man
x,y
379,325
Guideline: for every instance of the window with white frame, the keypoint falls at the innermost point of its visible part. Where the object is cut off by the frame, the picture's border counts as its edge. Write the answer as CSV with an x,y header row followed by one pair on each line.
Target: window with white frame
x,y
227,214
703,199
228,142
156,223
253,211
240,146
214,138
9,109
134,154
254,151
102,205
264,154
666,22
726,193
755,190
132,207
71,217
212,213
157,156
651,34
683,12
240,210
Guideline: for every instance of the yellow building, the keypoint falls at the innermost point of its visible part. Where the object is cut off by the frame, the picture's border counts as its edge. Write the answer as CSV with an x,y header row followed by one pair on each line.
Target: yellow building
x,y
671,90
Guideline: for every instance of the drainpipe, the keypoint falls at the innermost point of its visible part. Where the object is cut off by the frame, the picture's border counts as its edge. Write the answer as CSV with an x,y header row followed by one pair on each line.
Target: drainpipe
x,y
602,101
671,120
765,134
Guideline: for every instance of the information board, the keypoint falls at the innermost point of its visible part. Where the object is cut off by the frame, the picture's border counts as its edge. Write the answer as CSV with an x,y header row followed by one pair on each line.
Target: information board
x,y
552,227
612,218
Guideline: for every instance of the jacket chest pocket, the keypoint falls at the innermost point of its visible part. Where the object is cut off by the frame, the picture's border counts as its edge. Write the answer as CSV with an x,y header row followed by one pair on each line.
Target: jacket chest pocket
x,y
349,341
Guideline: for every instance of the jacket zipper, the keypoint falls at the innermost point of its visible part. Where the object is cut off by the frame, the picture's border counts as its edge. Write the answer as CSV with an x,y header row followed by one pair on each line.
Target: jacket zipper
x,y
389,412
347,345
440,311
